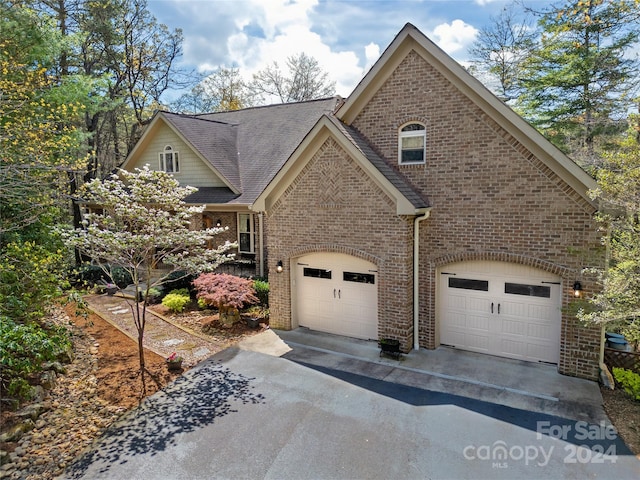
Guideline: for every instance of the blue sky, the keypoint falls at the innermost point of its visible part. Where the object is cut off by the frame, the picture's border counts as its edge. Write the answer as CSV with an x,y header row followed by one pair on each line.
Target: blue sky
x,y
345,36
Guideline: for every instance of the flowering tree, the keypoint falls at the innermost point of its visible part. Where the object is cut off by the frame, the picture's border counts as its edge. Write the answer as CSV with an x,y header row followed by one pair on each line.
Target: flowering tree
x,y
140,220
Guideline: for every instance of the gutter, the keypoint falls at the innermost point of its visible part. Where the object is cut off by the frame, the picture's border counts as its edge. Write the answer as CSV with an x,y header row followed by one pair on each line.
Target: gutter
x,y
416,275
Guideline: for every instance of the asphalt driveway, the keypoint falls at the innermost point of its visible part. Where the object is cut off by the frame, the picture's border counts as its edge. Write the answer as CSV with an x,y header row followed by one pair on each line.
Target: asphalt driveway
x,y
243,414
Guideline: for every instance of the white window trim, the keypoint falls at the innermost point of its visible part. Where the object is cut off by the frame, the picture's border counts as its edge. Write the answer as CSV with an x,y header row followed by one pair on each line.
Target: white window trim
x,y
252,234
175,157
413,133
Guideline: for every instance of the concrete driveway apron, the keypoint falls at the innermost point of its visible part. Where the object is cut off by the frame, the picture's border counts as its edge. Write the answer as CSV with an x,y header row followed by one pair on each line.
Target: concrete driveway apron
x,y
313,414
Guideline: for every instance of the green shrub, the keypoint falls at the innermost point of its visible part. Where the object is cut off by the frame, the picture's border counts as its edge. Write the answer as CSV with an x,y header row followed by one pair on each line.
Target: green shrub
x,y
176,300
30,279
262,291
178,280
629,380
121,277
91,275
23,348
155,295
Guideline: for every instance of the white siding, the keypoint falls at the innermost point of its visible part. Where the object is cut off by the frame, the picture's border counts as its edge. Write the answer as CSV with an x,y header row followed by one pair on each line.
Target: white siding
x,y
193,170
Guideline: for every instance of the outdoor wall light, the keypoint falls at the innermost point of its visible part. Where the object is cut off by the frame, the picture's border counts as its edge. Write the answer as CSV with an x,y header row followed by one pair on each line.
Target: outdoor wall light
x,y
279,266
577,289
218,223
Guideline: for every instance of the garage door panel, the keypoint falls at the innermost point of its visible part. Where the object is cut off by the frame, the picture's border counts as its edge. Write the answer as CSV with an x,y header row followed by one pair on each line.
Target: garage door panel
x,y
478,343
538,351
457,321
524,322
544,313
512,348
539,331
475,322
512,327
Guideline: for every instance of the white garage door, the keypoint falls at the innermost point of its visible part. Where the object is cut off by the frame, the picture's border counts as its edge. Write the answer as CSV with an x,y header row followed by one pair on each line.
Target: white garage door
x,y
501,309
337,293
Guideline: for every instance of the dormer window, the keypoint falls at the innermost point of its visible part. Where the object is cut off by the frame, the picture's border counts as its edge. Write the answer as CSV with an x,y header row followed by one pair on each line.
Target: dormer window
x,y
169,160
412,141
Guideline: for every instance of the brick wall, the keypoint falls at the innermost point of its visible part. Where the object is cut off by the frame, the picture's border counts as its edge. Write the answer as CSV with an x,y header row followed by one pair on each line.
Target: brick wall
x,y
333,206
491,198
230,220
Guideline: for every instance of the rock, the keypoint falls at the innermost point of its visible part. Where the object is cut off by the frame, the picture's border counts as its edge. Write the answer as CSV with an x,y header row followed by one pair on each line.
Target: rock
x,y
5,457
67,355
48,379
32,411
37,393
10,404
15,433
606,378
55,366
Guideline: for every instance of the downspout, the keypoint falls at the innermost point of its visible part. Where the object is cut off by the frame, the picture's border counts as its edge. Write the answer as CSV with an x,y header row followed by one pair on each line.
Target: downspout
x,y
607,261
261,240
416,277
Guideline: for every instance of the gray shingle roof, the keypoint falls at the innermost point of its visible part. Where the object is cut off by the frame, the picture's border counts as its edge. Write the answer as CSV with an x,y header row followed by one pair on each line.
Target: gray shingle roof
x,y
249,147
214,195
267,136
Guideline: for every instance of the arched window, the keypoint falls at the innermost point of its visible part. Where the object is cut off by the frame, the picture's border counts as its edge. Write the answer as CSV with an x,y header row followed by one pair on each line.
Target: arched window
x,y
169,160
412,142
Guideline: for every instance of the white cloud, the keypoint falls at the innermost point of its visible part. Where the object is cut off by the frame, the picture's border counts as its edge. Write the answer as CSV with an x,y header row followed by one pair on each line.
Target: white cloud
x,y
455,36
371,53
287,32
343,36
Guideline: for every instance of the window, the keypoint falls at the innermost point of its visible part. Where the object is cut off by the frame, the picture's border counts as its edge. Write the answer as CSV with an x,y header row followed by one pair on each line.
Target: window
x,y
317,273
246,233
359,277
469,284
529,290
412,142
169,160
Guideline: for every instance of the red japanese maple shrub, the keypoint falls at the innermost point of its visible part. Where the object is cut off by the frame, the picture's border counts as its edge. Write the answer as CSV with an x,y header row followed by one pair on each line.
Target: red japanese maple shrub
x,y
227,293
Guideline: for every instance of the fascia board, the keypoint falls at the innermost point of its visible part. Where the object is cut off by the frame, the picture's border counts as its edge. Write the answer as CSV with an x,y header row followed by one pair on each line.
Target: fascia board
x,y
226,207
323,130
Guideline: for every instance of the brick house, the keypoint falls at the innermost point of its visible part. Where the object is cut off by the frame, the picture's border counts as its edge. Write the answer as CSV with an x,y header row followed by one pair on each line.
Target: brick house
x,y
421,208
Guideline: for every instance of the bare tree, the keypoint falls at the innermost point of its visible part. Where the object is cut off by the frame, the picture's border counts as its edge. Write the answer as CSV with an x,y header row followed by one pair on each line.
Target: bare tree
x,y
303,80
501,48
220,91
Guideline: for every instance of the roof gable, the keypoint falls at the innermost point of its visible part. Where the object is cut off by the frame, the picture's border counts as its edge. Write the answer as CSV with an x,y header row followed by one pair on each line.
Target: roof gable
x,y
211,143
244,148
267,136
411,39
215,142
408,200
